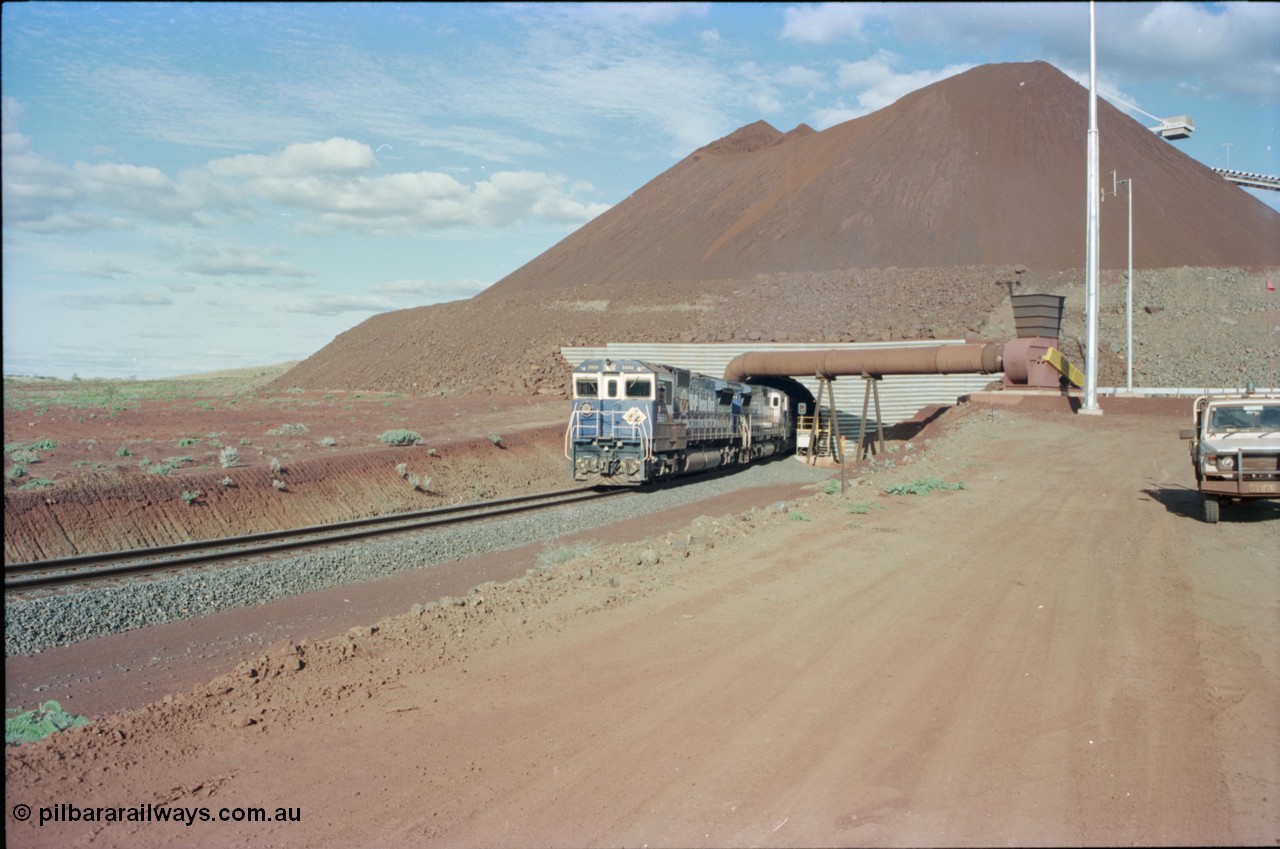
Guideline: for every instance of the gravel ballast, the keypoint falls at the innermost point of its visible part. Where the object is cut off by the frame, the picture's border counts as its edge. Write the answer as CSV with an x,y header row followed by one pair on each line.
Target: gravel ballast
x,y
34,624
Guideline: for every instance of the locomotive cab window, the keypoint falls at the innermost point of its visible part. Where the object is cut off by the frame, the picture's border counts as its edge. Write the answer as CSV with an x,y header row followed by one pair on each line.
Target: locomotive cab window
x,y
611,388
638,387
585,388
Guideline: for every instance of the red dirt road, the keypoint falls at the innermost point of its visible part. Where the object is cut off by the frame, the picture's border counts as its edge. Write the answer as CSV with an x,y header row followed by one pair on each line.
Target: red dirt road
x,y
1060,653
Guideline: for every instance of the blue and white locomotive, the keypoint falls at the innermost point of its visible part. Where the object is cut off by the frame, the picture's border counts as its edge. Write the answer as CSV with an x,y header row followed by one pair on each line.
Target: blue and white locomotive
x,y
634,422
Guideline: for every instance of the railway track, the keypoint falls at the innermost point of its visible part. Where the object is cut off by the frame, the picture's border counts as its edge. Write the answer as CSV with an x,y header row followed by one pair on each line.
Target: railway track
x,y
90,568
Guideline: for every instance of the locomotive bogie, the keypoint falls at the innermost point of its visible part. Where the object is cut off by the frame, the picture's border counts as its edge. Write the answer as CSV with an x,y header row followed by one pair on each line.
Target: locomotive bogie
x,y
634,422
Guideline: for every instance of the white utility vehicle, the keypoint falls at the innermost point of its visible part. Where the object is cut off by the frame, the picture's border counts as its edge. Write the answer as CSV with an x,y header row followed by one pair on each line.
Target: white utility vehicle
x,y
1235,448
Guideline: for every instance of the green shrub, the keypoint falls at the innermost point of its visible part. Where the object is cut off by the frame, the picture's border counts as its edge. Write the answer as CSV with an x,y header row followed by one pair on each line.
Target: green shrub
x,y
36,483
188,441
922,486
228,457
43,445
400,437
36,724
16,472
25,457
861,507
123,452
288,430
328,442
832,487
496,440
191,496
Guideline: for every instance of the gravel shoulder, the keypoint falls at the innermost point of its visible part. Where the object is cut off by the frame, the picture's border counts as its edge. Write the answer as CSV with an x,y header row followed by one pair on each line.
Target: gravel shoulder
x,y
1057,653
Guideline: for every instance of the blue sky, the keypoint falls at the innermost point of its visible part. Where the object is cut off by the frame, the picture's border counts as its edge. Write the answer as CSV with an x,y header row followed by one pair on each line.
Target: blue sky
x,y
193,187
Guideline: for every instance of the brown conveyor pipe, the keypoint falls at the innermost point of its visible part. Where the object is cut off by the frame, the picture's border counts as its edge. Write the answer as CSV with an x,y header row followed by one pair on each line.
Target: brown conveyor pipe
x,y
969,358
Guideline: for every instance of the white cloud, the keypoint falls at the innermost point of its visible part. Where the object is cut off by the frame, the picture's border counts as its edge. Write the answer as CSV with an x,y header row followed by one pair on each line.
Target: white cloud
x,y
878,85
234,262
95,300
1225,47
334,156
338,304
334,181
825,23
430,291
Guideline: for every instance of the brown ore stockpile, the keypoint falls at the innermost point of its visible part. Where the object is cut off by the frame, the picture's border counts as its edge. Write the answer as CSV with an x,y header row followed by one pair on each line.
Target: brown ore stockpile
x,y
915,221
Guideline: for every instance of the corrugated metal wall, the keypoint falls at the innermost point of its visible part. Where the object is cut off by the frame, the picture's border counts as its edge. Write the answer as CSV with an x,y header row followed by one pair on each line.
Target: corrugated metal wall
x,y
901,395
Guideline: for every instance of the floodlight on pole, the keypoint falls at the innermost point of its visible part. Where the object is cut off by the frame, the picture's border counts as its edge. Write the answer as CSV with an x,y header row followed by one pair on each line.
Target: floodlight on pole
x,y
1093,195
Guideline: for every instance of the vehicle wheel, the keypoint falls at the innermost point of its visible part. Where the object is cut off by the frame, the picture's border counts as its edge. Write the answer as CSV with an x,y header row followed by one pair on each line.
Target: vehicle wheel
x,y
1211,508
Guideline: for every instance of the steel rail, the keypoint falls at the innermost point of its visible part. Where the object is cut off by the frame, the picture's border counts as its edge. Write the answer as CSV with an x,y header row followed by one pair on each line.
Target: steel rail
x,y
48,573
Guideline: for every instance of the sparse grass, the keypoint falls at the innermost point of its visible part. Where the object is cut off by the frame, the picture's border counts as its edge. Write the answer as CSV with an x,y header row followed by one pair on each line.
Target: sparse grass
x,y
863,507
328,442
800,517
550,558
288,430
25,457
188,441
923,486
36,483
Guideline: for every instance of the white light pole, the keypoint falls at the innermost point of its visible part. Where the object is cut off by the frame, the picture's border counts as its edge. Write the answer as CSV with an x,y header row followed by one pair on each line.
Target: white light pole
x,y
1093,193
1227,145
1115,189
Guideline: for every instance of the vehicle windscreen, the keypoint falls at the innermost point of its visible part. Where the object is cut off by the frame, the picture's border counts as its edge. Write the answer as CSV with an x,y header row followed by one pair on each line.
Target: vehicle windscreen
x,y
586,388
639,388
1248,417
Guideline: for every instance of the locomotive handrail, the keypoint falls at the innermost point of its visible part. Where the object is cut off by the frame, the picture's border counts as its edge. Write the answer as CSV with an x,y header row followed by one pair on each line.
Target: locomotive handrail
x,y
615,422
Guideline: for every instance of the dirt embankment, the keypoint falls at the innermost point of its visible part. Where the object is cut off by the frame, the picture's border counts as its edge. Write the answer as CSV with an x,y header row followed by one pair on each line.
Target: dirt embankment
x,y
302,459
